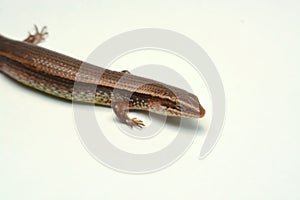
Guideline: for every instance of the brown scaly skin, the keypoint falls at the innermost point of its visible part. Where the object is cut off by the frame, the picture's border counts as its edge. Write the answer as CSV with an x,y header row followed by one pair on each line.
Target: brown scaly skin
x,y
56,74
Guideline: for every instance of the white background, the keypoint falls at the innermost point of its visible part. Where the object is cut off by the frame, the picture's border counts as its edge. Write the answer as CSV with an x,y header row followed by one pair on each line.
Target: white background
x,y
255,46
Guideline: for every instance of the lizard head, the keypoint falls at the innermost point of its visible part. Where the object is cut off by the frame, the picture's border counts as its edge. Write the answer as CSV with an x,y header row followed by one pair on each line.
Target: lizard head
x,y
182,106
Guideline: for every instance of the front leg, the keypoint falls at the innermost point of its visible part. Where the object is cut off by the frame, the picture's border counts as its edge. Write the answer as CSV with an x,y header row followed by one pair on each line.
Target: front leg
x,y
121,108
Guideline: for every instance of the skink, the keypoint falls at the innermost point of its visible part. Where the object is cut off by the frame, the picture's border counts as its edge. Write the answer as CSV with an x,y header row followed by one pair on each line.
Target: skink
x,y
56,74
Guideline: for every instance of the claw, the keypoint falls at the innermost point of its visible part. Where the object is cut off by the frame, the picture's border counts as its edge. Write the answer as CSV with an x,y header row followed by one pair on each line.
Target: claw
x,y
36,28
135,122
43,30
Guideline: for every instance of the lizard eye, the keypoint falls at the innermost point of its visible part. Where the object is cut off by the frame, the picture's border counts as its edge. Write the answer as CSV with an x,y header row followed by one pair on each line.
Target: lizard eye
x,y
178,107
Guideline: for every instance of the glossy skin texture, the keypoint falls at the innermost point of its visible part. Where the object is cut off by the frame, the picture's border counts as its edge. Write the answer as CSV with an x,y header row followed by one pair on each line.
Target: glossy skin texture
x,y
56,74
